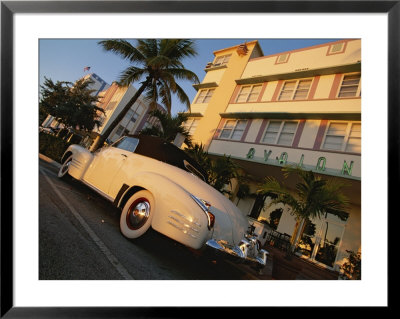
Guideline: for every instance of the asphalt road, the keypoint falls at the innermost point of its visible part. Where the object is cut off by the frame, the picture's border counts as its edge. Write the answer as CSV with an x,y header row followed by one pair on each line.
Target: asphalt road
x,y
79,239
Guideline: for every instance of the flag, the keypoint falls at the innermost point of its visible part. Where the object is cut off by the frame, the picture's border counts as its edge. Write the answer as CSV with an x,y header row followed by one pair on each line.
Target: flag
x,y
86,68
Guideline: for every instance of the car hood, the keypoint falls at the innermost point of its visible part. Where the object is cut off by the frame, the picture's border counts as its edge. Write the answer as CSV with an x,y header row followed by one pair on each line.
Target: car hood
x,y
230,223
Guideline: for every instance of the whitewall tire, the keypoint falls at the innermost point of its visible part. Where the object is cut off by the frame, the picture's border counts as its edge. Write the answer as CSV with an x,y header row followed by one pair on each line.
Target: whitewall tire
x,y
63,172
137,214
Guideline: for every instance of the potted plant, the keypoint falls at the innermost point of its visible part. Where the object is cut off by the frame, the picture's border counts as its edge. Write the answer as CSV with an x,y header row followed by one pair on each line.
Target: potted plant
x,y
311,197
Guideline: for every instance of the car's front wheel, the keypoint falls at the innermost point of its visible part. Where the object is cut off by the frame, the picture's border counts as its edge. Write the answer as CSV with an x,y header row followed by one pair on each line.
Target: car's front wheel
x,y
137,214
63,172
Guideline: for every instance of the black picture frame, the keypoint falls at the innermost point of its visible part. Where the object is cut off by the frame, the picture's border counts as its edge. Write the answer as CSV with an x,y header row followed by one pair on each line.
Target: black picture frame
x,y
9,8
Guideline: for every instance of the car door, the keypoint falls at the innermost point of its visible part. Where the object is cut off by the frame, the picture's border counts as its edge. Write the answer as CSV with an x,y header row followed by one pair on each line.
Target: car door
x,y
107,163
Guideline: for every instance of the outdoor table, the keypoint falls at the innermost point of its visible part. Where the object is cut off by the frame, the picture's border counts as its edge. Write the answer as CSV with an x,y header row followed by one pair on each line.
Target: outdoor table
x,y
280,240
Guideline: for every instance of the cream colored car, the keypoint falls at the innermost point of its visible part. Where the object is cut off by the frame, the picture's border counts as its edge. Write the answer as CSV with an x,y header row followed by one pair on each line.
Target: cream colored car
x,y
158,185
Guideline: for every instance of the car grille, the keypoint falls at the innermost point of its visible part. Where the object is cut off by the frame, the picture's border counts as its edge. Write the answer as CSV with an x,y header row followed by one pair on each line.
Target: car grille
x,y
184,224
75,163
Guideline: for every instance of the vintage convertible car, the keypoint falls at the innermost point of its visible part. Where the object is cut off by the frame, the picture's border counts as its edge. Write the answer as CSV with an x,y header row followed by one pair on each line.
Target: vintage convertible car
x,y
157,184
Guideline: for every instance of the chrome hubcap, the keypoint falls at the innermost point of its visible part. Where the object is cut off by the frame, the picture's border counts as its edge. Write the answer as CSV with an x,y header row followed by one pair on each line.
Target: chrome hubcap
x,y
65,168
138,213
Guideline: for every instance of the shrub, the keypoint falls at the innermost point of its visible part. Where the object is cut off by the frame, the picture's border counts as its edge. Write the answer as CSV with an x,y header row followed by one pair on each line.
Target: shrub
x,y
52,146
352,267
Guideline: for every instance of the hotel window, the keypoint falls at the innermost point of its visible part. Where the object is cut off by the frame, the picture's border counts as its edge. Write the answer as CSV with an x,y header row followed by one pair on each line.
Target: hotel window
x,y
280,132
190,125
221,60
119,130
343,136
295,90
129,114
205,96
133,115
233,129
350,85
249,93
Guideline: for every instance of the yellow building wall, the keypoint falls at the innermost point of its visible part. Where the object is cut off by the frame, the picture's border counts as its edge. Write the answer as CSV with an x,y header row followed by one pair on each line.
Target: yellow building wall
x,y
199,108
226,86
214,76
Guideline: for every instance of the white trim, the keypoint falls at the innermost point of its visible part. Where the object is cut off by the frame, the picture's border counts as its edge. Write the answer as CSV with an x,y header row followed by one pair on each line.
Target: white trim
x,y
98,190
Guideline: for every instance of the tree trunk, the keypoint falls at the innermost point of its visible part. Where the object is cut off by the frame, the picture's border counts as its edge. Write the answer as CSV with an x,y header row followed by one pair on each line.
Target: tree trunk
x,y
297,233
101,139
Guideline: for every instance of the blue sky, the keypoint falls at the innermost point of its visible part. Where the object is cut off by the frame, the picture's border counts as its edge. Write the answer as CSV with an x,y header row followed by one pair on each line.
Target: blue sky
x,y
65,59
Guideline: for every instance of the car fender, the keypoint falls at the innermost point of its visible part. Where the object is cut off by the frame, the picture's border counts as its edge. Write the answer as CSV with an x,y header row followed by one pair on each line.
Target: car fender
x,y
81,159
176,214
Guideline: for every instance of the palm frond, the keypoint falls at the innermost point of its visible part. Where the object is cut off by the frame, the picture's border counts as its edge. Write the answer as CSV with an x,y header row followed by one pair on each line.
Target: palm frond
x,y
148,47
177,49
131,75
183,74
183,98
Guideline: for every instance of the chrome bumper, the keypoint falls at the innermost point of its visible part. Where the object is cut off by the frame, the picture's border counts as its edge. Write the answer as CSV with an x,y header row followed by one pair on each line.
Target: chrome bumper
x,y
248,249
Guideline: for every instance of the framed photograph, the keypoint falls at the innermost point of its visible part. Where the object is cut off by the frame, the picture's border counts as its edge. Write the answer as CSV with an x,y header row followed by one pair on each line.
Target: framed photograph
x,y
26,26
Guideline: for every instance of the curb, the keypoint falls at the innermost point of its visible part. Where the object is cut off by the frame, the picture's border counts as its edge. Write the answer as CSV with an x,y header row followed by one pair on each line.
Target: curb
x,y
250,274
49,160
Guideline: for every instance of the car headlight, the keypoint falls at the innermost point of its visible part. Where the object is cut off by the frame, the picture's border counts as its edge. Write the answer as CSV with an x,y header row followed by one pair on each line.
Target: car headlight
x,y
205,206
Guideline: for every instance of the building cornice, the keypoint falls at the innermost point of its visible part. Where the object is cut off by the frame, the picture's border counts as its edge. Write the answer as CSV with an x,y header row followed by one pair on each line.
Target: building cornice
x,y
205,85
192,114
303,73
286,115
213,68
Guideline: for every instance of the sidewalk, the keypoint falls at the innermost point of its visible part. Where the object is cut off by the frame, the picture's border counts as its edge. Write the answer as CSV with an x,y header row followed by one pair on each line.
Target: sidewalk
x,y
253,274
49,160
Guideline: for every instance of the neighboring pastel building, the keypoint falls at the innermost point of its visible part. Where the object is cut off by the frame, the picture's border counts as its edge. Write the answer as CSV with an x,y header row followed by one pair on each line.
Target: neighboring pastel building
x,y
98,84
112,101
296,107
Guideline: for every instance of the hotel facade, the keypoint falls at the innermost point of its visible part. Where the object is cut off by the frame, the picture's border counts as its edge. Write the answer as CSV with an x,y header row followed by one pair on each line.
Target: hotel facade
x,y
301,107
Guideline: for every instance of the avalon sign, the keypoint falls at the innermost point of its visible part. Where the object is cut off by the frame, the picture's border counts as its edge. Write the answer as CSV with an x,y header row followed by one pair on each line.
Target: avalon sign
x,y
320,165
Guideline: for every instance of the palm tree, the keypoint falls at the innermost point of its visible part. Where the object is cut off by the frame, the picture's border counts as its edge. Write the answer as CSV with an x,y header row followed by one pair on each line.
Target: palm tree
x,y
158,63
220,171
169,126
313,197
